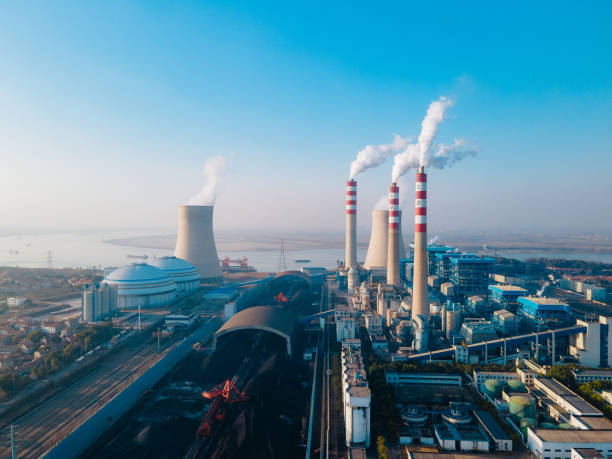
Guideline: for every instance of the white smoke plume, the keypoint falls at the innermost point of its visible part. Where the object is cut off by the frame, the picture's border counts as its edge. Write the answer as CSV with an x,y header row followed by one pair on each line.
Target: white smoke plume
x,y
541,291
213,173
433,240
447,155
415,154
374,155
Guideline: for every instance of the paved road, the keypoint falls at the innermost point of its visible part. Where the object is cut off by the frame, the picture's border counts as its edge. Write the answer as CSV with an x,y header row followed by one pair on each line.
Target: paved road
x,y
40,429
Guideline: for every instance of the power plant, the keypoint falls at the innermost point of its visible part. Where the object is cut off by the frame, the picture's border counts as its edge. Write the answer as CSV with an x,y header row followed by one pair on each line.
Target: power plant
x,y
420,303
393,277
195,241
376,256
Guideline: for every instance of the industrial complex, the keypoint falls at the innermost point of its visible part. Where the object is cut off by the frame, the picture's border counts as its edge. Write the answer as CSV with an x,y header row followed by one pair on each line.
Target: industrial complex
x,y
419,350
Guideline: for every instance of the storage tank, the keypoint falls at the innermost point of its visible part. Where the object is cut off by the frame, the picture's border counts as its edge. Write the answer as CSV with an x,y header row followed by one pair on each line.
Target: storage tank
x,y
360,425
566,426
521,407
492,387
514,385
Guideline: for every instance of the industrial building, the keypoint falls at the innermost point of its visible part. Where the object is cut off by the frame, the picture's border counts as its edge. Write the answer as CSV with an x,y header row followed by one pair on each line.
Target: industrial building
x,y
195,241
505,322
356,398
477,330
540,313
397,378
140,284
184,274
591,292
98,301
470,274
556,443
592,348
587,375
476,305
441,261
505,296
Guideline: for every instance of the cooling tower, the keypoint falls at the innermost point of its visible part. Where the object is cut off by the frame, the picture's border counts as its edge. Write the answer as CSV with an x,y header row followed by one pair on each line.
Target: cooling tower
x,y
393,277
351,224
196,241
420,302
379,239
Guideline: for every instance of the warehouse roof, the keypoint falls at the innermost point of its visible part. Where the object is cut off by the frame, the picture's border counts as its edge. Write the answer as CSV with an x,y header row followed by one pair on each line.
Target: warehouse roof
x,y
574,436
273,319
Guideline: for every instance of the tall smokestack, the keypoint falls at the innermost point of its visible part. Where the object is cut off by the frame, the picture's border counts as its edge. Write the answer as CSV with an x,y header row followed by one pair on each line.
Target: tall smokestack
x,y
393,277
195,241
420,302
351,224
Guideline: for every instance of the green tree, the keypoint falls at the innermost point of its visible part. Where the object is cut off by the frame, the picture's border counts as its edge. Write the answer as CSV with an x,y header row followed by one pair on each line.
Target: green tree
x,y
381,447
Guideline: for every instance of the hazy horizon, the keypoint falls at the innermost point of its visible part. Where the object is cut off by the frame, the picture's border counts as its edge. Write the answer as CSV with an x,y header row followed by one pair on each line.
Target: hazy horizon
x,y
108,113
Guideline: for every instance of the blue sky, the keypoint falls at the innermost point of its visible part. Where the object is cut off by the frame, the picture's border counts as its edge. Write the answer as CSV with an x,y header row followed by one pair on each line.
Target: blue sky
x,y
108,110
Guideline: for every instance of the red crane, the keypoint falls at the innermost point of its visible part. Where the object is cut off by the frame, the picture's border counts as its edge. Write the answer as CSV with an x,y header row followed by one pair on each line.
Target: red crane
x,y
225,392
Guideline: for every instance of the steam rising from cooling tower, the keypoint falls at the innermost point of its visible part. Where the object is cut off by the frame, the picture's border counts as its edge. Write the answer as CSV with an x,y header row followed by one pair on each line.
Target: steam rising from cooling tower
x,y
374,155
213,173
195,241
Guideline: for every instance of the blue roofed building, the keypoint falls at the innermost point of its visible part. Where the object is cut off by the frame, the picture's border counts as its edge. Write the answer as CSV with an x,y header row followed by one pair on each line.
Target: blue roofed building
x,y
505,297
540,313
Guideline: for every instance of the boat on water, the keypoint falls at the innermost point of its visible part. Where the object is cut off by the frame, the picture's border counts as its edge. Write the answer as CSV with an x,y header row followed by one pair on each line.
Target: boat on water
x,y
302,260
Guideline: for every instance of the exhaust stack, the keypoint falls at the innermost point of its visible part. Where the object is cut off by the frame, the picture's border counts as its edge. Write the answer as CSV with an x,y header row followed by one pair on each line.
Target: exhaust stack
x,y
420,302
195,241
351,225
393,277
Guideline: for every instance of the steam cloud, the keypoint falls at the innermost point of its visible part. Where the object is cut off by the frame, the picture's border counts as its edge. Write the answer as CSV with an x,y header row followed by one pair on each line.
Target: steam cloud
x,y
419,153
374,155
213,173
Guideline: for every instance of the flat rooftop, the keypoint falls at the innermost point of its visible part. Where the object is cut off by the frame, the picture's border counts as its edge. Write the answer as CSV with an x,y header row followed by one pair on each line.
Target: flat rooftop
x,y
592,372
569,397
508,288
595,422
542,301
574,436
490,424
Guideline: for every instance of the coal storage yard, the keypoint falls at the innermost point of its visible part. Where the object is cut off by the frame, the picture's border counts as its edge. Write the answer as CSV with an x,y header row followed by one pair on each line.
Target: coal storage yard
x,y
270,423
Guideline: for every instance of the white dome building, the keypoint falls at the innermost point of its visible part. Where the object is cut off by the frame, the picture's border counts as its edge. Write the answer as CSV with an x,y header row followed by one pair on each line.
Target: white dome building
x,y
140,284
184,274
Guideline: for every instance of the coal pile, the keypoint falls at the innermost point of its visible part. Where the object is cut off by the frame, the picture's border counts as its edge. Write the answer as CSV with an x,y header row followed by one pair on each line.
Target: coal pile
x,y
270,423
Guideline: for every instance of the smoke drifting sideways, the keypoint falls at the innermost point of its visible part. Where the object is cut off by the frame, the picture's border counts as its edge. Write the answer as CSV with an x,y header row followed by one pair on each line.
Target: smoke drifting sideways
x,y
213,173
420,153
374,155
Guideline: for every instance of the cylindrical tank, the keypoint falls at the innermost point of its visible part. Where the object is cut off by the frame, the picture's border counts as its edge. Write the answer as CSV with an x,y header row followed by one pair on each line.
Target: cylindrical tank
x,y
453,322
514,385
566,426
195,241
492,387
521,407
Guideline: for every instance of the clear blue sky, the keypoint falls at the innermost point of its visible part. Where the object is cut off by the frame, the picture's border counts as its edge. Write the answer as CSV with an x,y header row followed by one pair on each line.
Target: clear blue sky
x,y
108,110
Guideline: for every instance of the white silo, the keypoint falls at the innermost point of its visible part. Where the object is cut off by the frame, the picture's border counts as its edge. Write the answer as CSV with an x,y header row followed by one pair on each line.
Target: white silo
x,y
195,241
376,256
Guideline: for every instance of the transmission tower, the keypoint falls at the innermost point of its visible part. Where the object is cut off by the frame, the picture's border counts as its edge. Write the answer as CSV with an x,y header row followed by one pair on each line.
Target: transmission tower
x,y
282,258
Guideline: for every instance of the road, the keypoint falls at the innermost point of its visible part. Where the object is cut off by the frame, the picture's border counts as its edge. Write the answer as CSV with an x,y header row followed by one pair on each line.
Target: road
x,y
40,429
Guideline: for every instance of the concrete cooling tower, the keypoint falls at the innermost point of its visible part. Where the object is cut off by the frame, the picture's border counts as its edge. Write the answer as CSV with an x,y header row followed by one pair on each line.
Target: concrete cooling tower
x,y
195,241
379,239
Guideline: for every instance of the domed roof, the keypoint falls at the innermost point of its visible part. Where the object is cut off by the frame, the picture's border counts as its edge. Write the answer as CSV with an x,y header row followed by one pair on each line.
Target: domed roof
x,y
137,272
177,268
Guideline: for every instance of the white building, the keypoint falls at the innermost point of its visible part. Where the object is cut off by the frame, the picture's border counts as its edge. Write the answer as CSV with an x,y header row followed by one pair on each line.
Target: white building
x,y
14,302
592,348
356,398
565,398
503,376
345,328
140,284
557,443
184,274
373,324
585,376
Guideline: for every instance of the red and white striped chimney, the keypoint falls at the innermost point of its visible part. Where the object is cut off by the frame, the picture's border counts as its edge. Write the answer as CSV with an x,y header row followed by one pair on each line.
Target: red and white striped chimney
x,y
420,301
351,224
393,277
